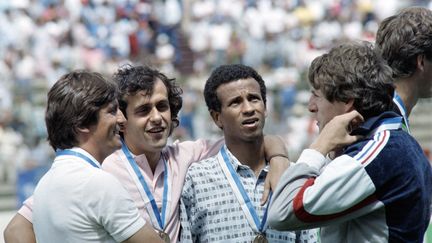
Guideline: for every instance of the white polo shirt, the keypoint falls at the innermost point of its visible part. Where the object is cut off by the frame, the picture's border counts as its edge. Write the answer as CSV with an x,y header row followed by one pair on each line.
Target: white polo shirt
x,y
76,202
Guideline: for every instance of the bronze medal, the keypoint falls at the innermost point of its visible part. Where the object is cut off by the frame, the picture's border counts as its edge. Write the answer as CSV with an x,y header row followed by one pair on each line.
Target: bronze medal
x,y
164,236
260,238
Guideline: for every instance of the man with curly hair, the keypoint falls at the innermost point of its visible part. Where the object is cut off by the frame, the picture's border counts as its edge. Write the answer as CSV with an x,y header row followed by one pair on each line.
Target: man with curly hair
x,y
377,189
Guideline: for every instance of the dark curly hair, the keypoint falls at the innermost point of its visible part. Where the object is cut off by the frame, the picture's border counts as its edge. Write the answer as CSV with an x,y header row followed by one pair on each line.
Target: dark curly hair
x,y
226,74
74,101
132,79
356,71
402,37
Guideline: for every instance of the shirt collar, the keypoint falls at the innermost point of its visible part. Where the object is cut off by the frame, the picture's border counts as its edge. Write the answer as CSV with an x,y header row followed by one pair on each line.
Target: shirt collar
x,y
236,164
85,153
388,120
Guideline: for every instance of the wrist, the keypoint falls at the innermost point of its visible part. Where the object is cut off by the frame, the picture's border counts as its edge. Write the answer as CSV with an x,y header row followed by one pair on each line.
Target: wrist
x,y
269,158
317,146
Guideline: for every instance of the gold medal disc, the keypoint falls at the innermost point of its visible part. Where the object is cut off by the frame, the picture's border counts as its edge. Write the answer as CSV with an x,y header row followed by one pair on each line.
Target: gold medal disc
x,y
260,238
164,236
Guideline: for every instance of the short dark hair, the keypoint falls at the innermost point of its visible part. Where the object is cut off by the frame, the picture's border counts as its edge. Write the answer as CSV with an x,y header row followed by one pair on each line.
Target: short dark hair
x,y
354,70
74,101
132,79
226,74
402,37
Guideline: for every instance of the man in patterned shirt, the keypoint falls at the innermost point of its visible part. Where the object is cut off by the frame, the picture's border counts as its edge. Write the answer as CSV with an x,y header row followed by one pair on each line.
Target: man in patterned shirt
x,y
220,200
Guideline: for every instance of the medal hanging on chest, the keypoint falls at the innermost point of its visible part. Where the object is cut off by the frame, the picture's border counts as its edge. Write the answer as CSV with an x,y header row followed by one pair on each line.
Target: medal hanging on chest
x,y
257,225
164,236
159,219
260,238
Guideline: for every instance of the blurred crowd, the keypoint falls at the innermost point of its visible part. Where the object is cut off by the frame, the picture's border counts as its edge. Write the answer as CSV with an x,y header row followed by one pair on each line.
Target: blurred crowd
x,y
43,39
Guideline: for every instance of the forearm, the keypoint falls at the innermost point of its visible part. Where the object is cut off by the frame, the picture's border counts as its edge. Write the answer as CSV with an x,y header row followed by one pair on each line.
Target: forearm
x,y
274,146
19,230
308,198
281,214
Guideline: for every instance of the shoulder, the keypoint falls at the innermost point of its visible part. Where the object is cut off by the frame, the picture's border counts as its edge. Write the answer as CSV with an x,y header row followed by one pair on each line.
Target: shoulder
x,y
204,166
103,180
113,160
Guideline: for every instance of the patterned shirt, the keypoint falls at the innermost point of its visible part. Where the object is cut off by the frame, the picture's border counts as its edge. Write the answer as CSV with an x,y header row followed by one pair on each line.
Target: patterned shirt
x,y
210,211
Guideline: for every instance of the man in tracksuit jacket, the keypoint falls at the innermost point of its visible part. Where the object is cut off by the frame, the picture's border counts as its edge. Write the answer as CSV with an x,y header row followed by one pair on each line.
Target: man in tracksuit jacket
x,y
377,189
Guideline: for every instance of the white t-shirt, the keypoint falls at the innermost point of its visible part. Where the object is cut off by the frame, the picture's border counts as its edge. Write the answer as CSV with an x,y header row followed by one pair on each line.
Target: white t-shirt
x,y
76,202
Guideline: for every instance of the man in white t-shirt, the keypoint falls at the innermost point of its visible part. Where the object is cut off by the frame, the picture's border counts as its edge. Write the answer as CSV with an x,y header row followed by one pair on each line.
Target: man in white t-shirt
x,y
76,201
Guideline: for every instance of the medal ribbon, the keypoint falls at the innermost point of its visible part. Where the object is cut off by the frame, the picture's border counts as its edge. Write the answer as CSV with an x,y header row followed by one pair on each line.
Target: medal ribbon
x,y
147,195
241,195
77,154
399,103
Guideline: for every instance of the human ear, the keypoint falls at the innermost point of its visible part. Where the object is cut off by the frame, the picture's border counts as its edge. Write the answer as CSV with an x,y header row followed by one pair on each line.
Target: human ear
x,y
83,129
216,118
349,106
420,62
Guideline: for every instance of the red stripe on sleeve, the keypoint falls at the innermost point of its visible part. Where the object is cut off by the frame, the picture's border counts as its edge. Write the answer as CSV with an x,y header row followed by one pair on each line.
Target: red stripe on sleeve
x,y
304,216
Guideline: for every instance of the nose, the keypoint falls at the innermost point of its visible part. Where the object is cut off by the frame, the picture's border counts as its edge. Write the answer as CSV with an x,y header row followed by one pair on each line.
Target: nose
x,y
121,120
248,107
312,105
155,115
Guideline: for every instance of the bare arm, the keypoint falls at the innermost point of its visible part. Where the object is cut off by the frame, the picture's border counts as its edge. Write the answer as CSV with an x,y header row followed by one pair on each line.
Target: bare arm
x,y
145,234
19,230
277,155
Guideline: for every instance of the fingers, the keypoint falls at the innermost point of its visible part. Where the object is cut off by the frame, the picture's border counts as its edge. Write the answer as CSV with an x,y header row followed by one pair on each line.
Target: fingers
x,y
266,193
354,118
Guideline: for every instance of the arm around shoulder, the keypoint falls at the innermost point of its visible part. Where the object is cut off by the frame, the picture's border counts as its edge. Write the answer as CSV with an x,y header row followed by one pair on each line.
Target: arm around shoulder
x,y
19,230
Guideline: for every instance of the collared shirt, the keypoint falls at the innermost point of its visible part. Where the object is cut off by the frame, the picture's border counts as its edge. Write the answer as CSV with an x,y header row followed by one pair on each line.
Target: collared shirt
x,y
180,156
210,211
76,202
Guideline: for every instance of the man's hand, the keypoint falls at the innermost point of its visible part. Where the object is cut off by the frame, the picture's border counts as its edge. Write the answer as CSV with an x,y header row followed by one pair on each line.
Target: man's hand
x,y
336,133
278,166
277,155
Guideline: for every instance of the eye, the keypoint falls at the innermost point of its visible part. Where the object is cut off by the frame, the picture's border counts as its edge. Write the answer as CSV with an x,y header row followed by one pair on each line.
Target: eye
x,y
163,106
143,110
234,102
254,98
112,109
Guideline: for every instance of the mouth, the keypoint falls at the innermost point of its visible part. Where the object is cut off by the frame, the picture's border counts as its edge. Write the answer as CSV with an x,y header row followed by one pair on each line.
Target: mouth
x,y
156,130
250,122
117,130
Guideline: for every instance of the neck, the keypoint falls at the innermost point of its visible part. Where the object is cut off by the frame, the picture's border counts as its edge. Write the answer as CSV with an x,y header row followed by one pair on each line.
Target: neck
x,y
93,151
153,160
407,92
152,157
249,153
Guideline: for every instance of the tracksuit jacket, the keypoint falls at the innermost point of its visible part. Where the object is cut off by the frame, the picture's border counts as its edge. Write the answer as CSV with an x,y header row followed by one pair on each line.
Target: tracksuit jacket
x,y
378,190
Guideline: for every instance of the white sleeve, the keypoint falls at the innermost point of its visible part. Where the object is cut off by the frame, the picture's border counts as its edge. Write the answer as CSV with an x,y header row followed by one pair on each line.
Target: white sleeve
x,y
306,198
111,206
